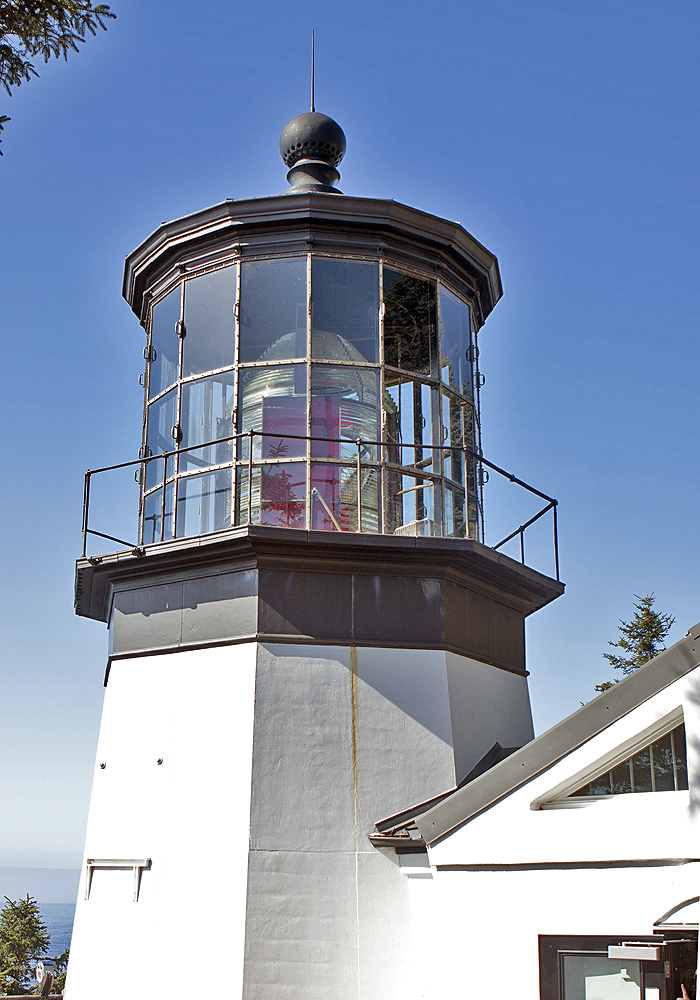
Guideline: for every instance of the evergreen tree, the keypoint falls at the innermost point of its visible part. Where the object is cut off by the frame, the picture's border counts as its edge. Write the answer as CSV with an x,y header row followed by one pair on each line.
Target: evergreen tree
x,y
641,639
23,939
46,28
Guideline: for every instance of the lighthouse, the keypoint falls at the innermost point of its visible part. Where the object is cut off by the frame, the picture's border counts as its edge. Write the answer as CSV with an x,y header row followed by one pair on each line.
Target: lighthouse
x,y
309,633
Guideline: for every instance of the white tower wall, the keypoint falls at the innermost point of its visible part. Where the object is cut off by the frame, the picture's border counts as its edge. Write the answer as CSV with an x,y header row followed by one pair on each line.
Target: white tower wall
x,y
281,889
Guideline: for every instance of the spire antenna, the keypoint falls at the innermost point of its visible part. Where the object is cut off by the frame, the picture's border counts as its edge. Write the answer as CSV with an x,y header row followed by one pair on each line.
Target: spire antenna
x,y
312,70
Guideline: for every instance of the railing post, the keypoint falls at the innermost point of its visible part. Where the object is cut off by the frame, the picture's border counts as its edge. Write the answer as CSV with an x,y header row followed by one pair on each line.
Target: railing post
x,y
556,540
251,432
522,545
86,503
359,486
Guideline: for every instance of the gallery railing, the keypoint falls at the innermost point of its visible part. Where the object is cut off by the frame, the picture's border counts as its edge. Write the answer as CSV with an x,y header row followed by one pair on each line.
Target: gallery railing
x,y
377,456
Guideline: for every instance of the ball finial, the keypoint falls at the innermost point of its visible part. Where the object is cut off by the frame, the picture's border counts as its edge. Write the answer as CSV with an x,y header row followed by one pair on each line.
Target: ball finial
x,y
312,145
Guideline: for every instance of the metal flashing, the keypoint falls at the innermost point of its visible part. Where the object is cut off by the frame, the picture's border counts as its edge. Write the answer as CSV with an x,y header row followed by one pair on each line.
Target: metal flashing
x,y
464,803
290,585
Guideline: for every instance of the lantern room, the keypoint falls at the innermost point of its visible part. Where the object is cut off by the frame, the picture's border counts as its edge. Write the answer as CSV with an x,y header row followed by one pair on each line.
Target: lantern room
x,y
311,362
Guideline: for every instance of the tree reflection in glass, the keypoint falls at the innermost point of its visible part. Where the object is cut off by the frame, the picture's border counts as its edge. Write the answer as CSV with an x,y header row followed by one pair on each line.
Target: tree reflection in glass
x,y
409,323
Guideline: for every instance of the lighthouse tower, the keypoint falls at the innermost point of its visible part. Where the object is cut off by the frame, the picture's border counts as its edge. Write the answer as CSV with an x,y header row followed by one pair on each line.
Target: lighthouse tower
x,y
310,634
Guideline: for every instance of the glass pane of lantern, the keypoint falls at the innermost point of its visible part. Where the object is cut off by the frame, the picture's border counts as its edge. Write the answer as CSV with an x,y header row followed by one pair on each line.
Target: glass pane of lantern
x,y
409,421
209,322
410,505
455,525
274,309
165,343
162,417
282,495
452,438
409,323
155,518
272,401
333,495
455,343
344,406
206,412
344,310
204,503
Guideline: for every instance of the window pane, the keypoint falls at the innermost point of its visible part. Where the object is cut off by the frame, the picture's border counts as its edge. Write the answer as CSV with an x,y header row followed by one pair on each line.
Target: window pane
x,y
641,771
204,503
455,342
662,760
153,516
679,752
620,780
452,437
206,414
209,322
282,495
455,525
273,403
409,323
597,977
345,310
409,422
273,310
333,497
165,343
410,505
162,417
344,405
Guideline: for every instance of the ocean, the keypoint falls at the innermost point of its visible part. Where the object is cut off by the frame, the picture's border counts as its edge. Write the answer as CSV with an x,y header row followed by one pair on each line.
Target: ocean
x,y
58,918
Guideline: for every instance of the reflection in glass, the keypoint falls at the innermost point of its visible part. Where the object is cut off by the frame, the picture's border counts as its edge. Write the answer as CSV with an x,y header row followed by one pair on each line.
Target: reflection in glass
x,y
203,503
273,403
455,343
282,495
344,309
641,771
455,525
659,767
158,524
162,417
165,343
409,323
410,505
209,341
586,977
452,438
344,405
334,498
273,313
409,422
206,414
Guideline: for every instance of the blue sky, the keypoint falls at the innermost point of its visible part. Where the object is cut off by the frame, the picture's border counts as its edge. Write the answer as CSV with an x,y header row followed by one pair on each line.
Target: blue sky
x,y
564,136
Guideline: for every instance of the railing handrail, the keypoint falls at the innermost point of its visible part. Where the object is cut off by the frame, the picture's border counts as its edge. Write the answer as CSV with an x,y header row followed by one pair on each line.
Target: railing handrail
x,y
358,443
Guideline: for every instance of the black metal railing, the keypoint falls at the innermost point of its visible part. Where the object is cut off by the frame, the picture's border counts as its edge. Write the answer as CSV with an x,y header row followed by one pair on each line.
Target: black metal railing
x,y
386,465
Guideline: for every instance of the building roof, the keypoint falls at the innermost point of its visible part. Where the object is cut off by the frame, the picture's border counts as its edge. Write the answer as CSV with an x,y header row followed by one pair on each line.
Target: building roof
x,y
437,818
